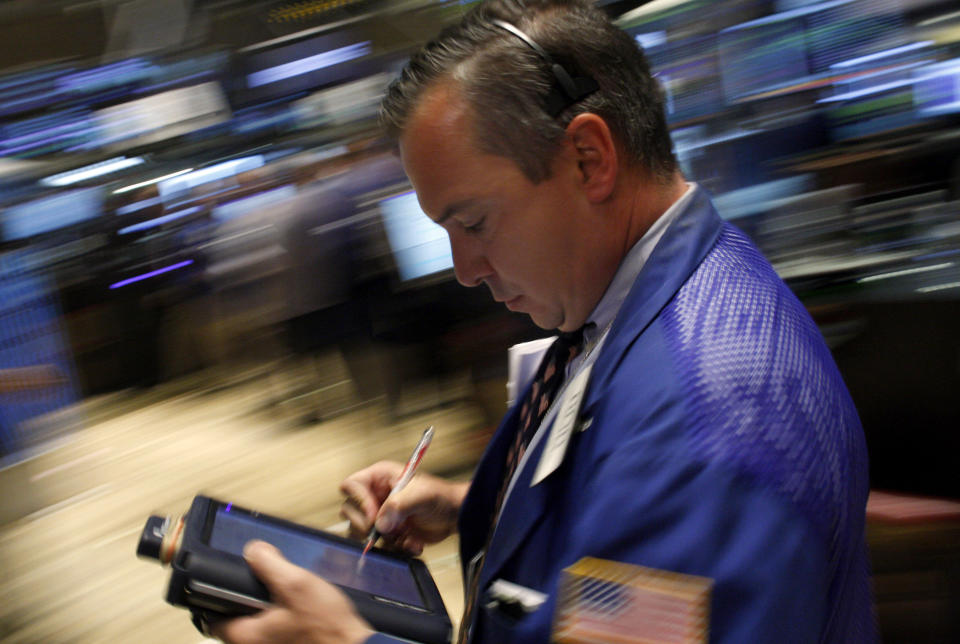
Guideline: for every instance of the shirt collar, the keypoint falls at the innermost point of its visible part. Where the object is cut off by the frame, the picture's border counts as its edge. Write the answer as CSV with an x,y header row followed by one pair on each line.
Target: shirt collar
x,y
606,310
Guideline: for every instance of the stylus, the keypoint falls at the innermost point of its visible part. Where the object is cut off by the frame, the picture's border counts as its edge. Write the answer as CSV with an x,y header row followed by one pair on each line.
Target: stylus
x,y
408,471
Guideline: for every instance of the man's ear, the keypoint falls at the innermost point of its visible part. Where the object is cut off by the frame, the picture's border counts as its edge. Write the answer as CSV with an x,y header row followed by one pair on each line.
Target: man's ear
x,y
596,155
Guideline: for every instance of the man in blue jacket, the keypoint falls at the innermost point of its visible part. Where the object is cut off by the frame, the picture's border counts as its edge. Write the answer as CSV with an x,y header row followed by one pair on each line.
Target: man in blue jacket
x,y
700,426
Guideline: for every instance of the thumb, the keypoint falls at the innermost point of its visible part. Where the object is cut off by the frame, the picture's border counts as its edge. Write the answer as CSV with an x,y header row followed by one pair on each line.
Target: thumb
x,y
416,499
389,518
272,568
396,509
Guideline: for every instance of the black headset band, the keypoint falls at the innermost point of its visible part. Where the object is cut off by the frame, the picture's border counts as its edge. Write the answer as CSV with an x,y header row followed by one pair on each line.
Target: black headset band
x,y
503,24
566,91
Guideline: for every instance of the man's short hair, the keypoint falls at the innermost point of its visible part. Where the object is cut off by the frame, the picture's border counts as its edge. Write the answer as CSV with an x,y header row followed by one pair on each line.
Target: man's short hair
x,y
505,82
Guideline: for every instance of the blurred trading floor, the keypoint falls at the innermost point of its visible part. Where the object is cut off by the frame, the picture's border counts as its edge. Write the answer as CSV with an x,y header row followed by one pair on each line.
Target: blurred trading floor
x,y
69,569
251,435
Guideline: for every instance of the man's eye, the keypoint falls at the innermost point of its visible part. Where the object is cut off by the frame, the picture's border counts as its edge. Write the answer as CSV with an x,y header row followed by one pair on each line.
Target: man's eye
x,y
475,227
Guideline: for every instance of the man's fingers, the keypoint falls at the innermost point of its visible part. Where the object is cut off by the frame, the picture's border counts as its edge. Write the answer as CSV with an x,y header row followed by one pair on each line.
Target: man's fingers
x,y
390,518
241,630
281,577
305,607
268,625
412,545
417,499
359,523
360,496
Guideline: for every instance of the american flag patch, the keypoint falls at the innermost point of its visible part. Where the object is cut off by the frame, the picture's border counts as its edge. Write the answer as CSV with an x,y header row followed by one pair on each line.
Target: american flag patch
x,y
609,601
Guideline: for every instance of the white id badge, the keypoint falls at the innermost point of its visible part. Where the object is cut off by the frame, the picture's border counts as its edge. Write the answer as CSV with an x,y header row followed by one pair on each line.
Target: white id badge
x,y
563,426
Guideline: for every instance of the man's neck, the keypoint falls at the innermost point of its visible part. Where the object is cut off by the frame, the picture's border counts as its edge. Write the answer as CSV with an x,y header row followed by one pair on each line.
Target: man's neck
x,y
647,198
633,211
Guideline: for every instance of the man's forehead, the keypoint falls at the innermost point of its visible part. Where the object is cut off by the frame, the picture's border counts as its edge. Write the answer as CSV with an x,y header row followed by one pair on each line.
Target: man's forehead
x,y
442,108
438,132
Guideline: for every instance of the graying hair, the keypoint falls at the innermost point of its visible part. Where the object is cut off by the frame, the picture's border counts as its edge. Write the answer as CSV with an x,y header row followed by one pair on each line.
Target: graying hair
x,y
505,81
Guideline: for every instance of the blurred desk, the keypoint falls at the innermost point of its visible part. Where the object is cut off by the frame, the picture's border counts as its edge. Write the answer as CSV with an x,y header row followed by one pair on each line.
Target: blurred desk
x,y
915,551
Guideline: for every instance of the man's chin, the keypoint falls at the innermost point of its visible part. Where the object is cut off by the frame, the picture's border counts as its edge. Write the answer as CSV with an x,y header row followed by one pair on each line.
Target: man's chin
x,y
546,321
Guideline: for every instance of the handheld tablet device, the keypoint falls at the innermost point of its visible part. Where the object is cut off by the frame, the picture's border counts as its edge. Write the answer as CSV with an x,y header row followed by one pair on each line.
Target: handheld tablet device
x,y
204,549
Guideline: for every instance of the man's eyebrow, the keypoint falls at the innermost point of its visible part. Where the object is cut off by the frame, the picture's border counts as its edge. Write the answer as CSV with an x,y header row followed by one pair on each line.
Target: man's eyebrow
x,y
454,208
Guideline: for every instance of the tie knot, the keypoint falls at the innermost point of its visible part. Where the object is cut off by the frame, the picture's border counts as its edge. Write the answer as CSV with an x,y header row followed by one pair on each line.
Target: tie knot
x,y
569,344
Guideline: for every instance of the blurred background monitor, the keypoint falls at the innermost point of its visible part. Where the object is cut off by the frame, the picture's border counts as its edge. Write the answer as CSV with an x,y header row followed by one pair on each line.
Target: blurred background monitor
x,y
67,130
688,70
164,115
287,67
44,215
841,31
180,187
420,247
762,55
808,42
937,89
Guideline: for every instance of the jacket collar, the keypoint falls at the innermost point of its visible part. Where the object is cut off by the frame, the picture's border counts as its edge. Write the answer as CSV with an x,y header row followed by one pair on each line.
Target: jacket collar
x,y
623,280
681,249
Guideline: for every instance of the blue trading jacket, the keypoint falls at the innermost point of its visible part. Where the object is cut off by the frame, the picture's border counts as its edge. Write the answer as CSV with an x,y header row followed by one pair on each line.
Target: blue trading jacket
x,y
722,443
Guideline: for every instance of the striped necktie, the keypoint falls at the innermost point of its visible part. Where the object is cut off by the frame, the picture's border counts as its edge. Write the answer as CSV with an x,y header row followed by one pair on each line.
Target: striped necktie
x,y
546,384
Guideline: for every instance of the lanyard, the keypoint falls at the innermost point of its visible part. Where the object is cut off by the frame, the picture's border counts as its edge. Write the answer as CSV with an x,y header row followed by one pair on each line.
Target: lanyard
x,y
579,376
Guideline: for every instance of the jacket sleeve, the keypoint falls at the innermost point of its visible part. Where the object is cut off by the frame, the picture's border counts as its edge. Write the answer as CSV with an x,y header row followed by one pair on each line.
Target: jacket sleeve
x,y
769,568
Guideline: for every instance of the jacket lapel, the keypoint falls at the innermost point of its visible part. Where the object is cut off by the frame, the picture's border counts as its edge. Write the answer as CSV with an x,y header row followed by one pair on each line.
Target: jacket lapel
x,y
522,510
681,249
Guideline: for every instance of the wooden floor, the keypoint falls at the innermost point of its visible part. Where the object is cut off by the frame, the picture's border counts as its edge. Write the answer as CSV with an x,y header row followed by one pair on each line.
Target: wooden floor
x,y
69,570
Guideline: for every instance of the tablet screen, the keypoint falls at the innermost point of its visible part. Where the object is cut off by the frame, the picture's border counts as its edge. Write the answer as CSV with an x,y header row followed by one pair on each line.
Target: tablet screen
x,y
337,563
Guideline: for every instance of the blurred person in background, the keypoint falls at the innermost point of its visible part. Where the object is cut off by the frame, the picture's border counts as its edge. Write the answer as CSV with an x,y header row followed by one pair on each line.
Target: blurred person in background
x,y
713,434
328,287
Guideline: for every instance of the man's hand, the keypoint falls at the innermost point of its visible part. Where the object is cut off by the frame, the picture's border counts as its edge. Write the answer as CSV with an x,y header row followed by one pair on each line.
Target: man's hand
x,y
306,608
425,511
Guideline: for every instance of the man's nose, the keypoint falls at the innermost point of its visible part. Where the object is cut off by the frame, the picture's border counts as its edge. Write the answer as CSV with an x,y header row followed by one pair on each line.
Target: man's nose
x,y
469,263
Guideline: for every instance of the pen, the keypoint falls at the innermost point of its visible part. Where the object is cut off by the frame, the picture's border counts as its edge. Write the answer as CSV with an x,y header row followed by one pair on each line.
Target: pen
x,y
412,464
